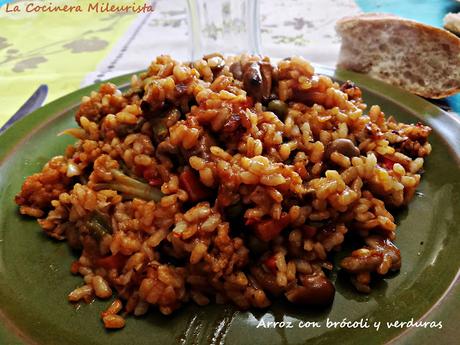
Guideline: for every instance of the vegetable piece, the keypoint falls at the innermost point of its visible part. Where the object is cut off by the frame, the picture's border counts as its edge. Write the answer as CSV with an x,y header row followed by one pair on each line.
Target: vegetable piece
x,y
280,108
150,174
257,80
270,228
267,70
237,70
315,290
130,187
191,183
270,263
343,146
74,267
266,280
387,163
116,261
125,169
98,225
160,131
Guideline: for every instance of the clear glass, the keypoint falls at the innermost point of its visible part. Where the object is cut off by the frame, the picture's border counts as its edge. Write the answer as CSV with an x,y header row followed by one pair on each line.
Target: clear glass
x,y
224,26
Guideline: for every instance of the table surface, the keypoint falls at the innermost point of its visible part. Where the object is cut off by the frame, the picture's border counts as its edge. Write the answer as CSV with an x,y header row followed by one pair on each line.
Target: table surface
x,y
70,50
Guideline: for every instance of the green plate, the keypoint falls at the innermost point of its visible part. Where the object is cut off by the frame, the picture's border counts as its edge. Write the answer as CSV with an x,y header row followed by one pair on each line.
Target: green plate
x,y
35,277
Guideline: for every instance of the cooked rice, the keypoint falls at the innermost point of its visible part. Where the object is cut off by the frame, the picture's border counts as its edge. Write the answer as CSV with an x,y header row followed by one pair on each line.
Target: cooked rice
x,y
226,180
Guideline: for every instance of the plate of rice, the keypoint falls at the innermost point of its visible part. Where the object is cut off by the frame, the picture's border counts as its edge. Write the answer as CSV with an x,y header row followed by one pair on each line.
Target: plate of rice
x,y
231,200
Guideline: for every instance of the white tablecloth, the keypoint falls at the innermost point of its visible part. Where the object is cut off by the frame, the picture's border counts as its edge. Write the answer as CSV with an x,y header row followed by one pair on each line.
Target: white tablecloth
x,y
289,27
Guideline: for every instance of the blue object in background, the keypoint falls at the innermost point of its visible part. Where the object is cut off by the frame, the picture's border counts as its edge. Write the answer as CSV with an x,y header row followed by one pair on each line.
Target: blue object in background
x,y
429,12
426,11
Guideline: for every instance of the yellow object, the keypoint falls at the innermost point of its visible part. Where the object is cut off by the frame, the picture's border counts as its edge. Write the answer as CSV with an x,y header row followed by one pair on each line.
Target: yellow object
x,y
58,49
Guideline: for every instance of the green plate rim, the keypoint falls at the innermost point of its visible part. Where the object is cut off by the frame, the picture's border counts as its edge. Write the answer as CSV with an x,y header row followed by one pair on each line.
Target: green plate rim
x,y
448,125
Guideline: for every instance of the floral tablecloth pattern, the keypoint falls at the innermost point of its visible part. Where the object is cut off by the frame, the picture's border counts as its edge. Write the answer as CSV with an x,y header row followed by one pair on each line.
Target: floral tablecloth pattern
x,y
57,49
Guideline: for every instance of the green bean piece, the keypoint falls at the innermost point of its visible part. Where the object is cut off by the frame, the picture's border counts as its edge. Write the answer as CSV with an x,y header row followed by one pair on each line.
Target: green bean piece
x,y
98,225
280,108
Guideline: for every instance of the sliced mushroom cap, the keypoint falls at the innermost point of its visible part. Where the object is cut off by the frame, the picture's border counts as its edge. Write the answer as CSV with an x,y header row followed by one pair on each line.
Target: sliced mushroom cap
x,y
315,290
357,264
252,77
267,79
237,70
257,80
343,146
266,280
374,257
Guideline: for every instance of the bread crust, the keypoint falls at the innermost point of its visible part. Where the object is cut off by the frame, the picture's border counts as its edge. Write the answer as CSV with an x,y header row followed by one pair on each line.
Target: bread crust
x,y
347,58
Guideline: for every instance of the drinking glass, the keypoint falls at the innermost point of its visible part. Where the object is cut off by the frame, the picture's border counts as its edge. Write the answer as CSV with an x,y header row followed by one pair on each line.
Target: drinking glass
x,y
224,26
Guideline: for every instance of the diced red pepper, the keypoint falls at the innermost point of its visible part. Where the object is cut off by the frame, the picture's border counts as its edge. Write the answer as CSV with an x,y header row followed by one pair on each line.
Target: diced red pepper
x,y
74,267
270,263
176,234
191,183
155,182
138,170
149,172
270,228
150,175
114,261
387,163
251,221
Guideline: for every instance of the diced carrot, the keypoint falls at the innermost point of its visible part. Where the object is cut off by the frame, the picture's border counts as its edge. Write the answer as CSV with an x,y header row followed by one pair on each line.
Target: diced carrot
x,y
191,183
270,228
114,261
270,263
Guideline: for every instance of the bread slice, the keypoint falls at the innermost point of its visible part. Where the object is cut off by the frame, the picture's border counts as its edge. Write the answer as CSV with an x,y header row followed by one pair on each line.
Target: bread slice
x,y
452,22
422,59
